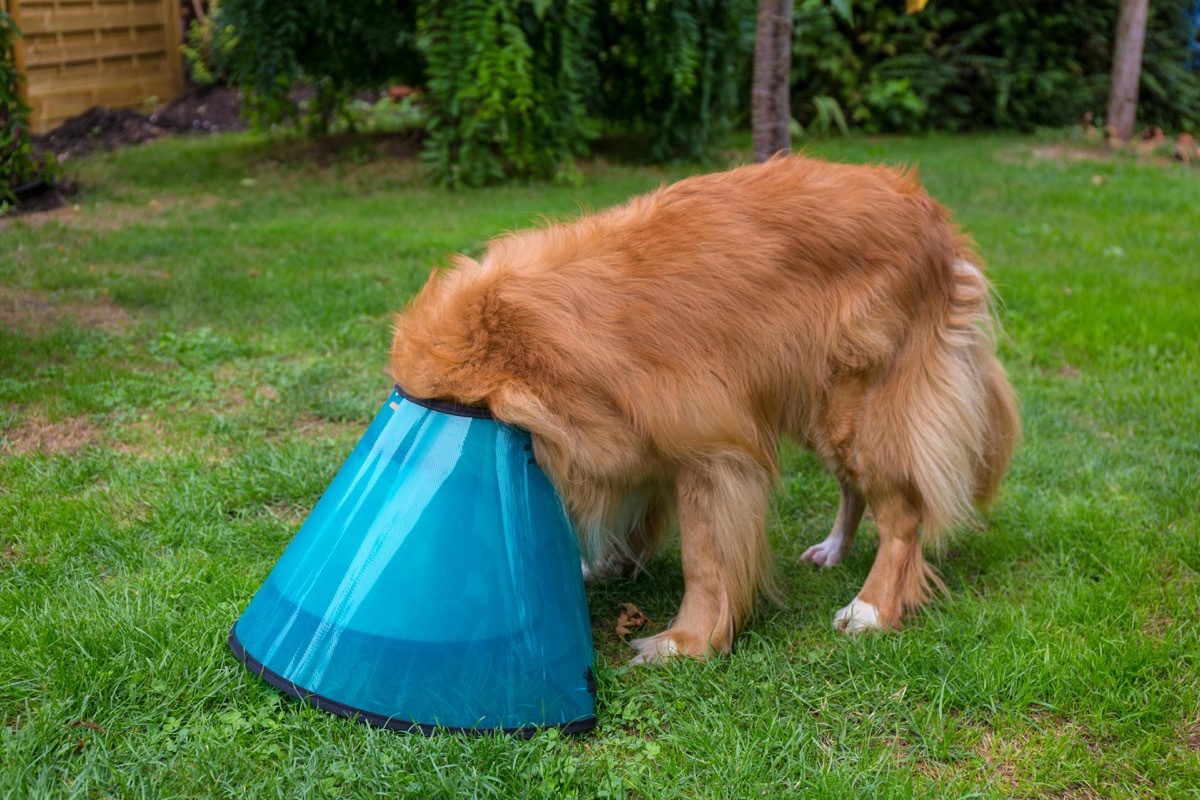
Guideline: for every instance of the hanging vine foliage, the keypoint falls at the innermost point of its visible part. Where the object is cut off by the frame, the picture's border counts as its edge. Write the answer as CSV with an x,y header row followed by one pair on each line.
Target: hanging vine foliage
x,y
521,88
512,87
676,73
506,84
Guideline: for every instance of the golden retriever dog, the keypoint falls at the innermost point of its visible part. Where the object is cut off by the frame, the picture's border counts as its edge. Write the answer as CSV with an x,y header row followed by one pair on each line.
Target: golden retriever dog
x,y
657,352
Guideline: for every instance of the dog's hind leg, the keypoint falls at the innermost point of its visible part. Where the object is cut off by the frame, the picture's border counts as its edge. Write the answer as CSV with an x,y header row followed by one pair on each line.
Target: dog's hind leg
x,y
721,505
841,539
900,579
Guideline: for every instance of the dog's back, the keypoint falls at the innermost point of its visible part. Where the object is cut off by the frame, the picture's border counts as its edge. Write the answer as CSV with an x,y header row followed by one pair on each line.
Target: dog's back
x,y
757,290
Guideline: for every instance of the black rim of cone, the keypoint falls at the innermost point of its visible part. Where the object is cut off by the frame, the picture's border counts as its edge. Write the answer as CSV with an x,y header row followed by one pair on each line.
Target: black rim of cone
x,y
446,407
379,720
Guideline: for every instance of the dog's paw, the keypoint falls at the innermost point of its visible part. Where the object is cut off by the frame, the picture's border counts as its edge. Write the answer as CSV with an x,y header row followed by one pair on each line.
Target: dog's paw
x,y
826,553
654,649
858,617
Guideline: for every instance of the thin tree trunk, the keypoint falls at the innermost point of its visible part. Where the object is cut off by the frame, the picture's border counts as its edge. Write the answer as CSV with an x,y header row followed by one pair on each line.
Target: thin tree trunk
x,y
771,114
1127,68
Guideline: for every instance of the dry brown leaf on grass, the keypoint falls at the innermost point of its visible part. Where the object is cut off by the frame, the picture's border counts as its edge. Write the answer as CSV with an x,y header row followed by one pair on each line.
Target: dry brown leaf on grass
x,y
80,744
87,723
630,617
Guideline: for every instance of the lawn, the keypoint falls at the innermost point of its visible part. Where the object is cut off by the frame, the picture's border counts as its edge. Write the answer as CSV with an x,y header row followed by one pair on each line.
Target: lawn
x,y
187,357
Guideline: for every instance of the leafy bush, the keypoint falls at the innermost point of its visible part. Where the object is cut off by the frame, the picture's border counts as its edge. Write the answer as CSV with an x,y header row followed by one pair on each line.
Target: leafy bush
x,y
675,73
388,115
506,85
338,46
976,64
207,48
19,163
512,87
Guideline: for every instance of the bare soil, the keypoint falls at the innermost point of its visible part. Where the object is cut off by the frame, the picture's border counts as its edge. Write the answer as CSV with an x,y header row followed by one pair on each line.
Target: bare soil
x,y
197,112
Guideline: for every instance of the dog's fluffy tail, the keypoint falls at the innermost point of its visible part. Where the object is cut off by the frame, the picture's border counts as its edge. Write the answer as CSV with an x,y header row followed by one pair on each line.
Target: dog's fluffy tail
x,y
962,423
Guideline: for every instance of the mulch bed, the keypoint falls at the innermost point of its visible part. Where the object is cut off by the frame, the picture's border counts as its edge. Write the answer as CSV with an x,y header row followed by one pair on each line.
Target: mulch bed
x,y
200,111
197,112
206,111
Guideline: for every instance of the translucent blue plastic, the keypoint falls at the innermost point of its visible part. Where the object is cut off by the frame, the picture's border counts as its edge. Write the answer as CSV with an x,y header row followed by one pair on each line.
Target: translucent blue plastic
x,y
435,584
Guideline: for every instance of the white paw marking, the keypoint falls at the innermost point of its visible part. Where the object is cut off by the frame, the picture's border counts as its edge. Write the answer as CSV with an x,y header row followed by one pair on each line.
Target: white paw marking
x,y
654,649
826,553
858,617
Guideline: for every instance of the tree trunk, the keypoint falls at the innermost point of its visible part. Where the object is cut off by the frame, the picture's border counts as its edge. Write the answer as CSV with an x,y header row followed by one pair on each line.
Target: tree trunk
x,y
771,114
1127,68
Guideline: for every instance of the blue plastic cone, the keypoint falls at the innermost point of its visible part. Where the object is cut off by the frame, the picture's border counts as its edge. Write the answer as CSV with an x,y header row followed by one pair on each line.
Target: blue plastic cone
x,y
436,585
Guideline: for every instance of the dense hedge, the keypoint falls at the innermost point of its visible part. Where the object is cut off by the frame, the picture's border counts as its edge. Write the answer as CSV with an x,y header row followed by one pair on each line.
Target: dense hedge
x,y
675,74
507,85
337,45
521,87
512,87
978,64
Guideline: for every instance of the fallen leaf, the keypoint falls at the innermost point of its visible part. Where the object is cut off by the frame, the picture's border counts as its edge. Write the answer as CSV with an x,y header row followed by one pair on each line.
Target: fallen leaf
x,y
630,617
87,723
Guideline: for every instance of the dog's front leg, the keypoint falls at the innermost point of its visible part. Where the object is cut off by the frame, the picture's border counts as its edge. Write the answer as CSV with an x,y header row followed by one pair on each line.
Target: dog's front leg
x,y
721,506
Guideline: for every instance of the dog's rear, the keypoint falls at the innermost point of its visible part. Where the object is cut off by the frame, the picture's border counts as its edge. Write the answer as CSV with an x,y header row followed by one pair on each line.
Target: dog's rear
x,y
657,352
930,437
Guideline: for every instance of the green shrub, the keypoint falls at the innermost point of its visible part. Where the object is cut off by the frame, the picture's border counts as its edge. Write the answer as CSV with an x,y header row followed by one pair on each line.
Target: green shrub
x,y
506,86
975,64
512,87
337,46
388,115
207,48
513,84
675,73
19,162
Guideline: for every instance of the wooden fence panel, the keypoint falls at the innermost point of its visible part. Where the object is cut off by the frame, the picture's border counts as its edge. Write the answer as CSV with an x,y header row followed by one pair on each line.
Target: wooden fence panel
x,y
82,53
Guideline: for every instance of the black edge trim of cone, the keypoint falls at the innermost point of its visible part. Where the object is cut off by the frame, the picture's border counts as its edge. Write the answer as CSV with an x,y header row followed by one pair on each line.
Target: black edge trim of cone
x,y
446,407
378,720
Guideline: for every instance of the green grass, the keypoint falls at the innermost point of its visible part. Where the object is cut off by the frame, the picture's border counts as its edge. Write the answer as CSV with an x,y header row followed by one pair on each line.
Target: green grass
x,y
200,343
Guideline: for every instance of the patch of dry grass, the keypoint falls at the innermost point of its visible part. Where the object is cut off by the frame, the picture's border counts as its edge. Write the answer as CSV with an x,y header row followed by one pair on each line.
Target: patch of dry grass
x,y
62,437
35,312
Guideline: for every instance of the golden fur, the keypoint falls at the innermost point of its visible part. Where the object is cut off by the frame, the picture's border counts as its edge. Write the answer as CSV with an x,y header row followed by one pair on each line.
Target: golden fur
x,y
657,352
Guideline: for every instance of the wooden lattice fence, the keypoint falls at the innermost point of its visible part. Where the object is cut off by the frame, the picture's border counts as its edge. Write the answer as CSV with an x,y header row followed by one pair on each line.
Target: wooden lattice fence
x,y
82,53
